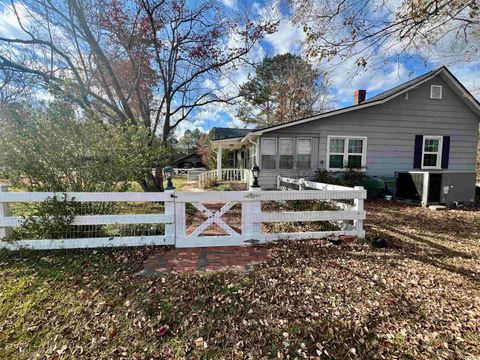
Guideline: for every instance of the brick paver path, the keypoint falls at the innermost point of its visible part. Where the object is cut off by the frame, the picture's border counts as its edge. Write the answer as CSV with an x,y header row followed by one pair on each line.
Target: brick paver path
x,y
240,258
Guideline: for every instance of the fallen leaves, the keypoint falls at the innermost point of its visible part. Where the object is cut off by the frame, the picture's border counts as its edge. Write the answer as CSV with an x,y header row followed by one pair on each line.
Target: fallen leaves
x,y
163,330
418,298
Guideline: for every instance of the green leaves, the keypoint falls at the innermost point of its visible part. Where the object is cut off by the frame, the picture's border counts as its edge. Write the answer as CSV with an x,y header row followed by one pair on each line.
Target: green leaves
x,y
50,219
60,150
284,88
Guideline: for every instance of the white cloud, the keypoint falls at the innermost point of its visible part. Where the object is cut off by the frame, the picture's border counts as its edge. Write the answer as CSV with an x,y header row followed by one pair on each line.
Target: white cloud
x,y
9,26
288,38
230,3
469,76
345,77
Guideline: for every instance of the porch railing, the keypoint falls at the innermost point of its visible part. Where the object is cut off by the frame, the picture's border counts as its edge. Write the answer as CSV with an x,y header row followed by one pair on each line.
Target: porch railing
x,y
227,175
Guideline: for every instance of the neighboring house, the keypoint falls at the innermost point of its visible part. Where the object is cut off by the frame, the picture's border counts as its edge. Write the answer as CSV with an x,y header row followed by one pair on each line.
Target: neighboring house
x,y
188,161
424,133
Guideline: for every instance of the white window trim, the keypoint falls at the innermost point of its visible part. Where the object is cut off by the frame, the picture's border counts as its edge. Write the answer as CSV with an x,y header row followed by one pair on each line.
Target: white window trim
x,y
431,92
276,152
311,151
294,152
438,153
345,151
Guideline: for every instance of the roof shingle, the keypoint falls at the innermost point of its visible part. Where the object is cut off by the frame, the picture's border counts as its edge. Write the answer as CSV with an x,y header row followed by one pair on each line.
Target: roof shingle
x,y
219,133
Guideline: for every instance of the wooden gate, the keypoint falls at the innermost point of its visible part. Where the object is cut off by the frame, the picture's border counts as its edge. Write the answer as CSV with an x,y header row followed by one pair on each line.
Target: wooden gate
x,y
213,218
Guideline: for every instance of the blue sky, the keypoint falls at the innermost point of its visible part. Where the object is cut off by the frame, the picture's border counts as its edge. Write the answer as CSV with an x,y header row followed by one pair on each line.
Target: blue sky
x,y
344,77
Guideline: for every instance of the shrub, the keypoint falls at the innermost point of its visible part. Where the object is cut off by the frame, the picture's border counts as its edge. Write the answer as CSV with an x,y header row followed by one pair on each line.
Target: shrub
x,y
58,150
325,176
210,184
224,187
352,177
231,187
50,219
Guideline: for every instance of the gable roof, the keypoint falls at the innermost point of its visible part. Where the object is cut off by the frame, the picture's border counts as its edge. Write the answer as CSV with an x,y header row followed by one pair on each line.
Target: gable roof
x,y
400,87
388,95
220,133
186,156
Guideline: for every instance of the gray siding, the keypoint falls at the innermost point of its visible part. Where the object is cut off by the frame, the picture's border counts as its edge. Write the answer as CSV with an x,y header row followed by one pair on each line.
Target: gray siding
x,y
391,129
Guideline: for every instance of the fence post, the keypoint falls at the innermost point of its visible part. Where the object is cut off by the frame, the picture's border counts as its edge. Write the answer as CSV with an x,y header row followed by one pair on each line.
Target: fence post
x,y
301,184
180,224
4,212
278,182
252,210
170,210
358,206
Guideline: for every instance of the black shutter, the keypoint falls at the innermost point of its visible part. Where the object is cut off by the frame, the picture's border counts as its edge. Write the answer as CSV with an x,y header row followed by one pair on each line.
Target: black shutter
x,y
417,160
445,151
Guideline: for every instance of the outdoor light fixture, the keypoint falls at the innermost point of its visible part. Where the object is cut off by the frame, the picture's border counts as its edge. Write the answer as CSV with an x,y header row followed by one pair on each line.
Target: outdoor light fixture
x,y
255,173
168,171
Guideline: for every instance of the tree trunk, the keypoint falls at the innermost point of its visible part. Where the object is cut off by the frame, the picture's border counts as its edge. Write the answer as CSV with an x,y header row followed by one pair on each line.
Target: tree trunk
x,y
151,183
159,178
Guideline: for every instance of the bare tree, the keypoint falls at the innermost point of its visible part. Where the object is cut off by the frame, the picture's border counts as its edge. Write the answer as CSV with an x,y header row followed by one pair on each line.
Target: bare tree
x,y
143,62
367,29
14,87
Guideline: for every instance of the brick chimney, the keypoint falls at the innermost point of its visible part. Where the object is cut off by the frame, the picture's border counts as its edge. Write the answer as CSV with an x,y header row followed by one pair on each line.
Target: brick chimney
x,y
359,96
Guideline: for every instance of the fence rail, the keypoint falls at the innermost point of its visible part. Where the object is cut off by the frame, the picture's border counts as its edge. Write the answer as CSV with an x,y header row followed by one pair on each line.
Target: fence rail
x,y
285,184
186,172
166,218
242,217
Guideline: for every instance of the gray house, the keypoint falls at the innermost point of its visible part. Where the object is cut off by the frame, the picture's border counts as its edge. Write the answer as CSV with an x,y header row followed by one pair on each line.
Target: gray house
x,y
423,134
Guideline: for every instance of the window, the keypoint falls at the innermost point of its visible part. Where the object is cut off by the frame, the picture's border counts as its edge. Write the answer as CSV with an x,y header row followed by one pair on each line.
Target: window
x,y
304,153
286,150
432,152
436,92
346,151
269,153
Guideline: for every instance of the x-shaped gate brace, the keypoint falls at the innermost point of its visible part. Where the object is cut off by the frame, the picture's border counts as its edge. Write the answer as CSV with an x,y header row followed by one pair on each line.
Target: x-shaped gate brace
x,y
214,218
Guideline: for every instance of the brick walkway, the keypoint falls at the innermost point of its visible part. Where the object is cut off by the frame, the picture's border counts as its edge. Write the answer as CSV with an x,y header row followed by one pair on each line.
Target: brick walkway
x,y
240,258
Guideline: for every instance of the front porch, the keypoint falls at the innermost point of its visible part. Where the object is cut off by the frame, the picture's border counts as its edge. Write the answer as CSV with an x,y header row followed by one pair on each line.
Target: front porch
x,y
234,160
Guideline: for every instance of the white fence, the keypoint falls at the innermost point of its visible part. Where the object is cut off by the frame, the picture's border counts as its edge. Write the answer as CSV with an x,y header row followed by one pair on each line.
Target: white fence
x,y
286,184
303,184
167,218
178,208
186,172
227,175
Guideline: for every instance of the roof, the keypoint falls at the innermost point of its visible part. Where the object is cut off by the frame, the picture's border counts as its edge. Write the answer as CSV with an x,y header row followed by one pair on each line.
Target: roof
x,y
186,156
456,85
400,87
220,133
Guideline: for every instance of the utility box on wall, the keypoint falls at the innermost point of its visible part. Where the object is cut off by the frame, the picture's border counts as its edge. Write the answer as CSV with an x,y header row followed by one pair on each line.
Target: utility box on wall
x,y
435,187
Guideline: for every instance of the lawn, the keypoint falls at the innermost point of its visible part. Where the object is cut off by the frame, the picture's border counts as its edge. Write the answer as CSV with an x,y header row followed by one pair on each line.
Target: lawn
x,y
419,298
178,183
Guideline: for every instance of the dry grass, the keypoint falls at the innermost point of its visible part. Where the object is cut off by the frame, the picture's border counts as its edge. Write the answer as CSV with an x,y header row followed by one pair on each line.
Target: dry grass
x,y
418,299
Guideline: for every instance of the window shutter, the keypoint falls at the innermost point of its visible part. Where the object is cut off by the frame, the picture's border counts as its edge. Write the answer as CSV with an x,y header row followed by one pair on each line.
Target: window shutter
x,y
445,152
417,160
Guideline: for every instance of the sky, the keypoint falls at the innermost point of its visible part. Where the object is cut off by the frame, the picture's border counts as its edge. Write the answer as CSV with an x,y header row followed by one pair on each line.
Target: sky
x,y
344,77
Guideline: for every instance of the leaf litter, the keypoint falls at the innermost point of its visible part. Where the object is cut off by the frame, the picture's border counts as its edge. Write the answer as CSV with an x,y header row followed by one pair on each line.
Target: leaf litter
x,y
418,298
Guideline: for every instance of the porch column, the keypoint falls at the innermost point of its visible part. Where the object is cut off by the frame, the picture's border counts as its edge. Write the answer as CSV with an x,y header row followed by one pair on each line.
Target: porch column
x,y
219,163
